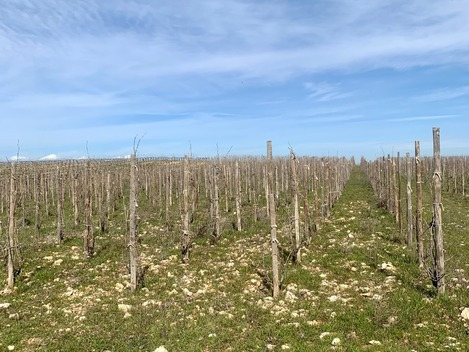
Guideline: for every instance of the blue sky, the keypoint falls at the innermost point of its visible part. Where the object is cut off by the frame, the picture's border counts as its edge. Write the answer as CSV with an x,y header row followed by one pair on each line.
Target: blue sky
x,y
331,77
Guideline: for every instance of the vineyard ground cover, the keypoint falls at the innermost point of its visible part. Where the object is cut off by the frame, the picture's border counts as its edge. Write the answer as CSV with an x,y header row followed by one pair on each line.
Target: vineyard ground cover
x,y
358,288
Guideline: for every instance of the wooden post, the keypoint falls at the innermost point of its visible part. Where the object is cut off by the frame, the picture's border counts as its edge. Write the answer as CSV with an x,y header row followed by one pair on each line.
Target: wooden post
x,y
330,187
46,194
277,191
317,216
409,200
388,184
76,212
11,229
185,238
419,210
238,195
227,186
168,195
306,211
133,242
324,190
463,178
273,238
255,206
37,195
379,180
439,258
170,185
60,231
455,177
268,175
108,196
194,194
294,190
399,197
88,234
101,210
273,223
216,203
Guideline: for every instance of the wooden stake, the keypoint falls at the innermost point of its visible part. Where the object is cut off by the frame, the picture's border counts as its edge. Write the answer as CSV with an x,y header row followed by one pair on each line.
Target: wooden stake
x,y
294,189
409,200
216,202
11,229
238,195
419,210
37,194
399,197
268,175
273,239
167,195
439,258
88,234
133,242
60,231
185,239
273,223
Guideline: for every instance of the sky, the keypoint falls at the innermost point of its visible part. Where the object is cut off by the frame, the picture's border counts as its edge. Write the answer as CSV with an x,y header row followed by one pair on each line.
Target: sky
x,y
325,77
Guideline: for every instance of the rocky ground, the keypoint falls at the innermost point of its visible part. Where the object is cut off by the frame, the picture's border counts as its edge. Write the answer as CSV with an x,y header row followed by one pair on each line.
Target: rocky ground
x,y
357,288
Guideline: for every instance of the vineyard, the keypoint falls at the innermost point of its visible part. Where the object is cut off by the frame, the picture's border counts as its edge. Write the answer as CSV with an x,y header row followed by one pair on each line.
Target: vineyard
x,y
238,254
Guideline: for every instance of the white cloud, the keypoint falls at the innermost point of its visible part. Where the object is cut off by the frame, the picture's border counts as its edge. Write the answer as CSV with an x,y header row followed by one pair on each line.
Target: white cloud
x,y
18,158
50,157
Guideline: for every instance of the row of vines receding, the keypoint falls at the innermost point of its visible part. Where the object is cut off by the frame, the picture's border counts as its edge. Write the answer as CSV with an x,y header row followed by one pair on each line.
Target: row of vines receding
x,y
192,199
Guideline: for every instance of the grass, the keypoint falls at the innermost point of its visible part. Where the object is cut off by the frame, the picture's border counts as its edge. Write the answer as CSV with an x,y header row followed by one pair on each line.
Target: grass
x,y
356,283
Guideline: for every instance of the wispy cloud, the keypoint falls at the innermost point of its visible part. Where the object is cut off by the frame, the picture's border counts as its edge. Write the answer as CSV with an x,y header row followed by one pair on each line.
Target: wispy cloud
x,y
324,91
421,118
266,39
62,100
444,94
